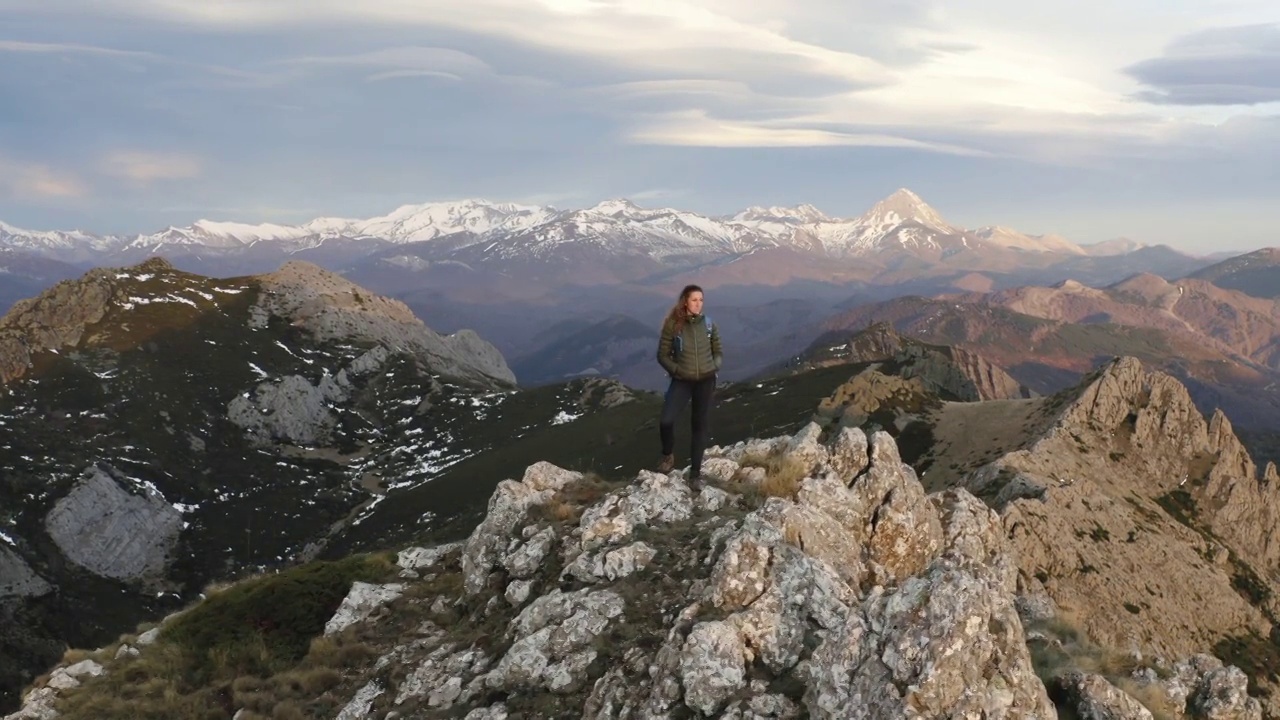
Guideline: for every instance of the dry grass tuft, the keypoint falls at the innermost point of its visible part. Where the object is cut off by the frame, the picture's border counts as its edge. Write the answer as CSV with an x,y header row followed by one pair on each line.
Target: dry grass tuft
x,y
567,506
783,474
1070,649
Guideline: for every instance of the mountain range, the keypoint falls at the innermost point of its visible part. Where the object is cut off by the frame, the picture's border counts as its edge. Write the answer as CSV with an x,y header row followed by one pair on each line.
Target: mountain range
x,y
518,274
900,221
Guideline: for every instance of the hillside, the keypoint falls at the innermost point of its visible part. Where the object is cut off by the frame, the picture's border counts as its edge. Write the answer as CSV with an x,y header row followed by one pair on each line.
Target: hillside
x,y
1212,340
215,425
1045,557
1256,273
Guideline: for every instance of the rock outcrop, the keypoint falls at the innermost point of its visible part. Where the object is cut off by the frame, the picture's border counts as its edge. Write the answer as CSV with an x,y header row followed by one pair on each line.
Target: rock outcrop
x,y
1127,510
846,592
333,308
942,370
1150,423
857,595
56,318
114,532
295,410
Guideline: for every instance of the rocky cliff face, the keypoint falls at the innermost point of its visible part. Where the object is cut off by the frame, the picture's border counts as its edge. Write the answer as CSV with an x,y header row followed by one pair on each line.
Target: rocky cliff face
x,y
1129,510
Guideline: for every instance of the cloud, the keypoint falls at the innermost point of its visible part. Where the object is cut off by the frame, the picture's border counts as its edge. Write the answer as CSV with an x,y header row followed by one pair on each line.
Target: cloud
x,y
144,167
1222,66
30,181
696,128
669,36
716,73
400,62
18,46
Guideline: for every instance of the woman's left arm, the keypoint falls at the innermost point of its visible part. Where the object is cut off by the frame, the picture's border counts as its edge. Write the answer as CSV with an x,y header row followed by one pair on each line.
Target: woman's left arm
x,y
716,355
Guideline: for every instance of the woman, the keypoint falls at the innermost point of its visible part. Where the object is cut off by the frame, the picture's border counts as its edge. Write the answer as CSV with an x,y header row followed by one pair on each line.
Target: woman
x,y
689,350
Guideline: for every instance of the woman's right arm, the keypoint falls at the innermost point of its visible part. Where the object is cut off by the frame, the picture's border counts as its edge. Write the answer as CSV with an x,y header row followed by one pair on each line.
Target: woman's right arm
x,y
665,341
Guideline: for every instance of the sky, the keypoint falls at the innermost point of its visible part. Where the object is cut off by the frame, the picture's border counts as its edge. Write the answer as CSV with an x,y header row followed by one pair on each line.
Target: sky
x,y
1157,120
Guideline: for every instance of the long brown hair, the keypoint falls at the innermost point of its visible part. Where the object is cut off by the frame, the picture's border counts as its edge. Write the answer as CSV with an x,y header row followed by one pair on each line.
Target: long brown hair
x,y
679,313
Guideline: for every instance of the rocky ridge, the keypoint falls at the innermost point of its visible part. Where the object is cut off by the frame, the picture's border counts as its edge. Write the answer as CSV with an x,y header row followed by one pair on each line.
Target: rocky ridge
x,y
1129,510
946,371
305,295
851,594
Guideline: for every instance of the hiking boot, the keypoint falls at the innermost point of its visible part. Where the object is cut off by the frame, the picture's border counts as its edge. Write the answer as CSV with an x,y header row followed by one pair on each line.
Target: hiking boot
x,y
696,483
667,465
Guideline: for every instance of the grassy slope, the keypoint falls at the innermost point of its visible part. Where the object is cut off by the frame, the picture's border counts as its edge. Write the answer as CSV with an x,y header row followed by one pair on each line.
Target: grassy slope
x,y
614,443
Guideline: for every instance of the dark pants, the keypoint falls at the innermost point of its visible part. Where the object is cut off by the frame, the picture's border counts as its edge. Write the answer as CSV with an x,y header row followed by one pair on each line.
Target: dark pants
x,y
679,394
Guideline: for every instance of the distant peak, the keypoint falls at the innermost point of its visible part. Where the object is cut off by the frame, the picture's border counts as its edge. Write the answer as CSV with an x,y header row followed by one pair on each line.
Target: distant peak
x,y
905,205
613,206
903,198
154,263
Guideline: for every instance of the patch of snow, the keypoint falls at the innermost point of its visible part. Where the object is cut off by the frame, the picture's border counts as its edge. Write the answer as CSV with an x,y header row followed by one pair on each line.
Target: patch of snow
x,y
563,417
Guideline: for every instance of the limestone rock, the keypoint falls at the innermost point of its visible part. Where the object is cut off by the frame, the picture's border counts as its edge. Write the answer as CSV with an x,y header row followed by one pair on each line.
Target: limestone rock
x,y
849,453
362,703
54,319
1223,694
289,410
712,666
552,638
857,597
1092,696
417,558
507,508
656,499
361,601
114,532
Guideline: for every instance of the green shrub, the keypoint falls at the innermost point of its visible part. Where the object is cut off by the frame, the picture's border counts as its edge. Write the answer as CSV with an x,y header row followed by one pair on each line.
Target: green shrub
x,y
266,624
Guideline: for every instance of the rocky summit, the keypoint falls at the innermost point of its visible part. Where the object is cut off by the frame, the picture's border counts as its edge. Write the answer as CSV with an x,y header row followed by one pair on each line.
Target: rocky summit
x,y
811,577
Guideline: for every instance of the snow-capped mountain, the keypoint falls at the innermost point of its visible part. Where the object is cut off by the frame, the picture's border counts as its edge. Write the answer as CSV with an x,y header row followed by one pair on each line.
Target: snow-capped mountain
x,y
1010,238
900,221
479,231
210,234
804,214
1114,246
54,242
415,223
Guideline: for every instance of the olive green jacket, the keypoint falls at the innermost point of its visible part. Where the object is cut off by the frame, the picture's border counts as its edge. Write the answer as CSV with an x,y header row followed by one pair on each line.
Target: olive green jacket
x,y
700,357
